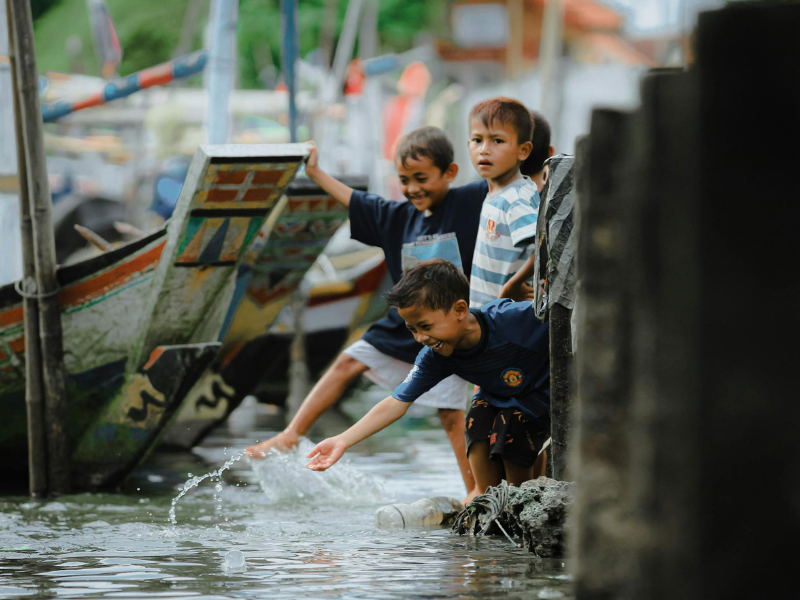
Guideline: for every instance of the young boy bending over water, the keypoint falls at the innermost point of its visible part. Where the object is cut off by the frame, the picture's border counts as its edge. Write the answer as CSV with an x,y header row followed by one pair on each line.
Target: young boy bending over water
x,y
438,220
501,347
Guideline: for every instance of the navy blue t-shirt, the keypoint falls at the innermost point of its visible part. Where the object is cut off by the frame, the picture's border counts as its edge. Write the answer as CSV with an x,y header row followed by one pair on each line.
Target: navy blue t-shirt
x,y
511,363
407,237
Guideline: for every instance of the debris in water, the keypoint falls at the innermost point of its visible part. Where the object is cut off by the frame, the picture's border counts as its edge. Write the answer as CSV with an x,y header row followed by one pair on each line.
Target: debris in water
x,y
235,561
428,512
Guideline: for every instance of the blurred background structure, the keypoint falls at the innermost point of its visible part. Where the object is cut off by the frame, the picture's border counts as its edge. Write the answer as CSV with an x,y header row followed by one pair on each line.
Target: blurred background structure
x,y
368,71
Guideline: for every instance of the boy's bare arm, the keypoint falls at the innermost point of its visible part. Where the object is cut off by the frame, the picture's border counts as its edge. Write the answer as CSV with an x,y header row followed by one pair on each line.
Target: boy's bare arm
x,y
383,414
333,186
517,288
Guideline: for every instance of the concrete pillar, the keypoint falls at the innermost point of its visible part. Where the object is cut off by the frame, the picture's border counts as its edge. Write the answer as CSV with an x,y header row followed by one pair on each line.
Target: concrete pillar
x,y
687,445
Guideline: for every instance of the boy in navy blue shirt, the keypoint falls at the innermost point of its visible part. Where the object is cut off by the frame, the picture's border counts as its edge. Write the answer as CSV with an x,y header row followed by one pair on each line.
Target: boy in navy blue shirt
x,y
437,221
501,347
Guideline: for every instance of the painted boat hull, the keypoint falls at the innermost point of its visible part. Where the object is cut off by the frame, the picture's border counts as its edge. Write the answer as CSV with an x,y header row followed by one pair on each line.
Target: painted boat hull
x,y
141,322
268,276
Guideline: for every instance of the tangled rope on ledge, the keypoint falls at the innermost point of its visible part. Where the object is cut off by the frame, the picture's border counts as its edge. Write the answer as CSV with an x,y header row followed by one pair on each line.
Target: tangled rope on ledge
x,y
484,510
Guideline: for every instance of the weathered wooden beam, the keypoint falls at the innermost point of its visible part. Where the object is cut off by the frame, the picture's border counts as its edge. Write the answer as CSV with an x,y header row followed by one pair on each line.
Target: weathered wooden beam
x,y
603,362
34,393
50,334
561,396
94,239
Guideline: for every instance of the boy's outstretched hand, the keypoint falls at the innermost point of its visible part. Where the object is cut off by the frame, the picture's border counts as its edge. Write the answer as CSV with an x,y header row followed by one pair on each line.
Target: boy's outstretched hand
x,y
326,454
284,441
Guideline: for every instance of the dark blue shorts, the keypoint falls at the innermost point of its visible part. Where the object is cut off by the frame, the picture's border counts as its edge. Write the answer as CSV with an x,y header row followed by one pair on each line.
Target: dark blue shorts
x,y
511,435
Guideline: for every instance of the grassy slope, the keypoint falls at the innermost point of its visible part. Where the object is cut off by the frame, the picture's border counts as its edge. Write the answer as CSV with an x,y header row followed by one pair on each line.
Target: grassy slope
x,y
148,30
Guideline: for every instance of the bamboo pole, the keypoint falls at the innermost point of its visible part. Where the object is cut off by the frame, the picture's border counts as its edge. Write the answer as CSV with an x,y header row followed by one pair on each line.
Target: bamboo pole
x,y
37,445
44,250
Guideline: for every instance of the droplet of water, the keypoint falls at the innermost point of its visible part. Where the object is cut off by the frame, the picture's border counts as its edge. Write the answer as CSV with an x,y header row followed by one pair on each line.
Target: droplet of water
x,y
234,561
218,487
195,481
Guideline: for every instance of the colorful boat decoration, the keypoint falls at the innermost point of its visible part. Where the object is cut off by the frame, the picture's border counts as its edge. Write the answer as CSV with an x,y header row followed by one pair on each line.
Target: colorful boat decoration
x,y
139,315
270,272
179,68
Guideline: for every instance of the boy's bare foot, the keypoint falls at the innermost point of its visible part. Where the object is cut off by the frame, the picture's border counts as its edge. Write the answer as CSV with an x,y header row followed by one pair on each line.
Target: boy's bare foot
x,y
284,441
471,496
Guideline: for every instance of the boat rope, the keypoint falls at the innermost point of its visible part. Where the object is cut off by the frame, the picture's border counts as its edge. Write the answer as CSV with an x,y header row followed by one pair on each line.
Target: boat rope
x,y
29,291
484,510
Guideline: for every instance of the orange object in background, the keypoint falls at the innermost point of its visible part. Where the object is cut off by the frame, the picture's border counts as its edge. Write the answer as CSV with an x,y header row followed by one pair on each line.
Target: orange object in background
x,y
403,112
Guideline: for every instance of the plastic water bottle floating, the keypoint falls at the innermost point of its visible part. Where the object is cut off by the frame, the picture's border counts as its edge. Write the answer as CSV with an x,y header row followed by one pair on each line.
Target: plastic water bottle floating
x,y
195,481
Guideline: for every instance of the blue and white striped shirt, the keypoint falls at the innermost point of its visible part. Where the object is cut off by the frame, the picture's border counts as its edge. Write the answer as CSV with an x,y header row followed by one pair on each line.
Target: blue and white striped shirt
x,y
505,239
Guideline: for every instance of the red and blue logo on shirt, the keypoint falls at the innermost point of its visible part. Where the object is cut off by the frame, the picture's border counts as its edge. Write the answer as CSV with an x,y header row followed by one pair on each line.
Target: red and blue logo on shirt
x,y
513,377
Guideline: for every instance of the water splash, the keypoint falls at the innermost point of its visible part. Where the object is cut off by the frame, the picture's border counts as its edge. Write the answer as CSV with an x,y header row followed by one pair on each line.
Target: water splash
x,y
284,479
195,481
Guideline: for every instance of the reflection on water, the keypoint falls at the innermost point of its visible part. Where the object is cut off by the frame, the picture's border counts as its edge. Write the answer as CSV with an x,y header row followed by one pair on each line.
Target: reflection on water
x,y
235,540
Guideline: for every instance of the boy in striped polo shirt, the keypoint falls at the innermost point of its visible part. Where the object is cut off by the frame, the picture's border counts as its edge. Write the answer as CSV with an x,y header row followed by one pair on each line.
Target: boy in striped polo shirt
x,y
500,133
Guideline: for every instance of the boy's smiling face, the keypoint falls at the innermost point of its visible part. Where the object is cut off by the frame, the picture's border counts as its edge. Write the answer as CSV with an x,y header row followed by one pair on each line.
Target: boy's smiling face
x,y
495,151
423,183
443,332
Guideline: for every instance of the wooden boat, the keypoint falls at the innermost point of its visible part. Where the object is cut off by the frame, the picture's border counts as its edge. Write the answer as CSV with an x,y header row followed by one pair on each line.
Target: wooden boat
x,y
141,322
338,312
270,272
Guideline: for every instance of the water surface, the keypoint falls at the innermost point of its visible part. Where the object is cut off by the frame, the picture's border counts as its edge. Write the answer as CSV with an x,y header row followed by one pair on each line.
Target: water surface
x,y
298,539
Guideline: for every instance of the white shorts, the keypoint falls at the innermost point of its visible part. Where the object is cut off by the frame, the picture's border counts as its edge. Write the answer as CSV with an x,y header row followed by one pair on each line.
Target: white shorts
x,y
389,372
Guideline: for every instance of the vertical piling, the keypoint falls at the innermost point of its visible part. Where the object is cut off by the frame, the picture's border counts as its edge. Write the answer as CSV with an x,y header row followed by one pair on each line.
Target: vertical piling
x,y
687,444
37,440
44,253
601,417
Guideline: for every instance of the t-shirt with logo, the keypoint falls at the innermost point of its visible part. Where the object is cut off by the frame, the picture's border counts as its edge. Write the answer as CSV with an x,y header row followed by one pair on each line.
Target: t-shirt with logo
x,y
407,237
511,363
505,239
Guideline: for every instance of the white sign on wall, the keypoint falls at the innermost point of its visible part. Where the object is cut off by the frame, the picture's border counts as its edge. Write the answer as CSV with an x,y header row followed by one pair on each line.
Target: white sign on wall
x,y
480,25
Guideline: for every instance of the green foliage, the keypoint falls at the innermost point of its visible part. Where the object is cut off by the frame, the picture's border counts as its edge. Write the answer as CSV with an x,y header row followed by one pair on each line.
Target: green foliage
x,y
143,48
259,29
39,7
149,31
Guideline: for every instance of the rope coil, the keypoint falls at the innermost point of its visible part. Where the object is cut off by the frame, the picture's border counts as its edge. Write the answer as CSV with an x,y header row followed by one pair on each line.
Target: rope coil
x,y
29,290
484,510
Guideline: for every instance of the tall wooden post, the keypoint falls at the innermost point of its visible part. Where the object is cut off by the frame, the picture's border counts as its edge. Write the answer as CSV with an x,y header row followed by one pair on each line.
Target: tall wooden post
x,y
37,444
44,250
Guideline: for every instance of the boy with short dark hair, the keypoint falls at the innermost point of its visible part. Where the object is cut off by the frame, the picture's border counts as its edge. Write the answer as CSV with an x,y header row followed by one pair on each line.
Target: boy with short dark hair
x,y
436,221
501,347
541,150
500,133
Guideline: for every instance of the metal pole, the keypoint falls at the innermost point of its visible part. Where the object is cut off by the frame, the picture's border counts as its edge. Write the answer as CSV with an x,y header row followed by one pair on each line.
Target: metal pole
x,y
327,31
221,61
344,49
290,48
37,444
368,35
549,54
44,249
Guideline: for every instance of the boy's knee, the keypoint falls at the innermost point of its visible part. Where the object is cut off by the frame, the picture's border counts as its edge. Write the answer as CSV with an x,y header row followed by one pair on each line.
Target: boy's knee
x,y
347,367
452,418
